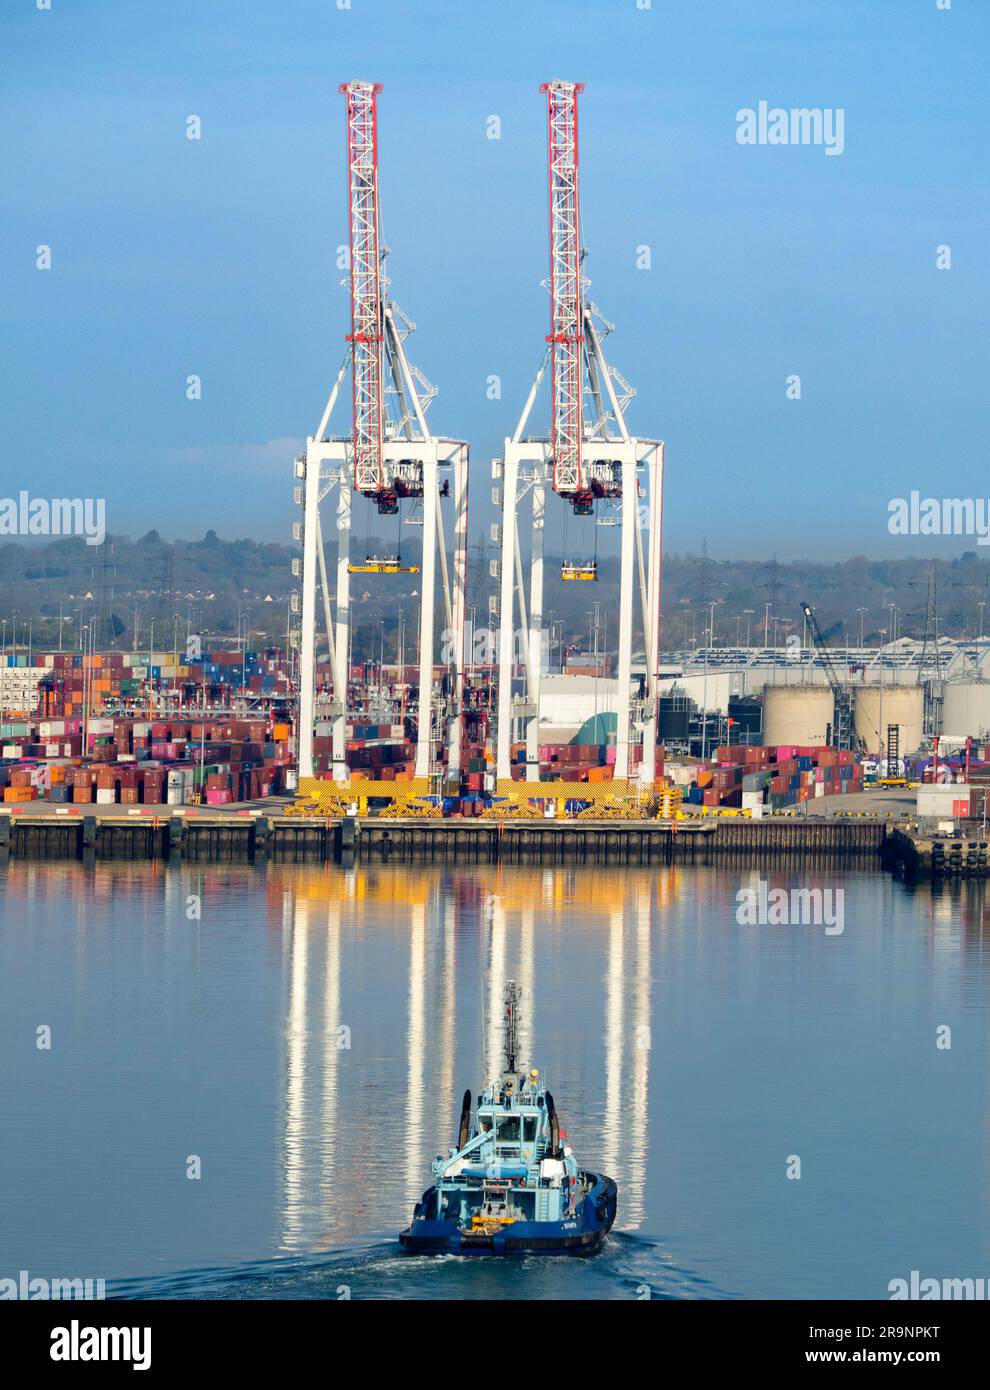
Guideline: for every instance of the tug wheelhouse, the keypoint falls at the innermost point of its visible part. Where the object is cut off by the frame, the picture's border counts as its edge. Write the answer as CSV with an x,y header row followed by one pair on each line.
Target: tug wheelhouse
x,y
512,1183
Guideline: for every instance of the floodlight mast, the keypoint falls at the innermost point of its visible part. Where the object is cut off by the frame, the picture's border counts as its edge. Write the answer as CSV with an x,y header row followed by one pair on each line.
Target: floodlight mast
x,y
389,454
588,456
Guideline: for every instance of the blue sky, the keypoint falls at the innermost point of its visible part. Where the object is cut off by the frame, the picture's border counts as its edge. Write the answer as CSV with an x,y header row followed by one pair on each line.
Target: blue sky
x,y
217,257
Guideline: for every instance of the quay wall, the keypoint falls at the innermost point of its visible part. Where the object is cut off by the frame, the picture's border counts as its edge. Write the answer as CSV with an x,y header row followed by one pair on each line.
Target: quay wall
x,y
220,838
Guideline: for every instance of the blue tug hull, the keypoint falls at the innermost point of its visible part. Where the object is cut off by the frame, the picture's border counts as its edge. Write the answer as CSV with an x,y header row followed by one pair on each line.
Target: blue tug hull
x,y
578,1235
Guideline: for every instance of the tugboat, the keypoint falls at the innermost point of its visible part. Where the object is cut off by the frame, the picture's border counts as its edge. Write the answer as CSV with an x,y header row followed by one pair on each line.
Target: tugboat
x,y
511,1186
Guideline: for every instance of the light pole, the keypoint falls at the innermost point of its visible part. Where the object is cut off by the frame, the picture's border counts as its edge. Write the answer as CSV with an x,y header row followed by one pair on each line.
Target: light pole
x,y
880,743
862,619
747,614
704,709
766,625
202,739
981,608
85,685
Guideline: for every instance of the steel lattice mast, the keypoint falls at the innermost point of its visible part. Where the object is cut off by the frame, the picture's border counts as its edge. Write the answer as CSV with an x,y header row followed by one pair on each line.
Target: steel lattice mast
x,y
587,456
367,318
566,337
390,453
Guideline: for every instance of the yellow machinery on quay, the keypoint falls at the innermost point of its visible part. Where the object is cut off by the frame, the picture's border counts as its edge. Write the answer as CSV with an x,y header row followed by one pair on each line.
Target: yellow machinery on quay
x,y
422,798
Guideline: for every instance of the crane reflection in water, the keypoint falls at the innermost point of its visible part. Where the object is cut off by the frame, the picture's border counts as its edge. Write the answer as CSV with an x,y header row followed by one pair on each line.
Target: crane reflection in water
x,y
370,1111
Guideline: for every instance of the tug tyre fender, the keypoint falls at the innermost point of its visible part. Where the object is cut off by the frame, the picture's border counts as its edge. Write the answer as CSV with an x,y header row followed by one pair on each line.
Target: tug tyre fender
x,y
465,1124
554,1124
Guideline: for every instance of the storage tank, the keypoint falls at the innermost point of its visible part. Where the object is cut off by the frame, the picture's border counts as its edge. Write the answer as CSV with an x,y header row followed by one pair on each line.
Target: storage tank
x,y
797,713
674,717
877,706
966,708
747,713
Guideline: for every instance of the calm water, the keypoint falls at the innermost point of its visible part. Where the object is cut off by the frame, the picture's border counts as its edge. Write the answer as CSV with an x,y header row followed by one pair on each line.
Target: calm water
x,y
310,1033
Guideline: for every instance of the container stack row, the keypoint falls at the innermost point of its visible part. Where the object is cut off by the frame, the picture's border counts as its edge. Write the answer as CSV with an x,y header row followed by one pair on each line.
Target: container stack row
x,y
127,761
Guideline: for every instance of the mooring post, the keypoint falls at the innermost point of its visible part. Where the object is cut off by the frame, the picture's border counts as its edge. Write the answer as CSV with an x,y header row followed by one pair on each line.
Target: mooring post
x,y
262,835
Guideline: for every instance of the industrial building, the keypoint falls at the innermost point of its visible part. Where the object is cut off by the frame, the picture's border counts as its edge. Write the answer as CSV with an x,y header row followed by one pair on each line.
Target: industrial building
x,y
902,684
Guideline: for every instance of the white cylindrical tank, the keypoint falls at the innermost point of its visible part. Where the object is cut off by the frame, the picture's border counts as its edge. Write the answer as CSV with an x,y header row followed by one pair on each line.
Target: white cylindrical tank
x,y
798,714
966,709
877,706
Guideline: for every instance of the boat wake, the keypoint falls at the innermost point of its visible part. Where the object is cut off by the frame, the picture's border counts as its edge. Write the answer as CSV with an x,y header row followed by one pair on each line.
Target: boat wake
x,y
626,1267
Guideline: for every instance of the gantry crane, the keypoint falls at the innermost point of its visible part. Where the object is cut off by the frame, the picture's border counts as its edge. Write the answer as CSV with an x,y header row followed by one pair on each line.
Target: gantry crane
x,y
842,721
590,458
388,455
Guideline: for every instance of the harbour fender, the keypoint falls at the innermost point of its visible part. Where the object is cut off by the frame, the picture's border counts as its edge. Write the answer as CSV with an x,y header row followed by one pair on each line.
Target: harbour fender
x,y
554,1124
463,1131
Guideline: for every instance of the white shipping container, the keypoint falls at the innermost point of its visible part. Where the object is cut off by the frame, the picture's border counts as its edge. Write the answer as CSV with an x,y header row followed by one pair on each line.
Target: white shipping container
x,y
943,799
105,796
180,786
680,774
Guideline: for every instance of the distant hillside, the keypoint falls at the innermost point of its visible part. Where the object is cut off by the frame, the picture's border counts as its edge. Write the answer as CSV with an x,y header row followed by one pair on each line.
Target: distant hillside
x,y
211,583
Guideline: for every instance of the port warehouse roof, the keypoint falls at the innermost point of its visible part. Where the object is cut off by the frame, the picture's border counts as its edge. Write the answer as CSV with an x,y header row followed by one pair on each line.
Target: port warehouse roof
x,y
957,659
